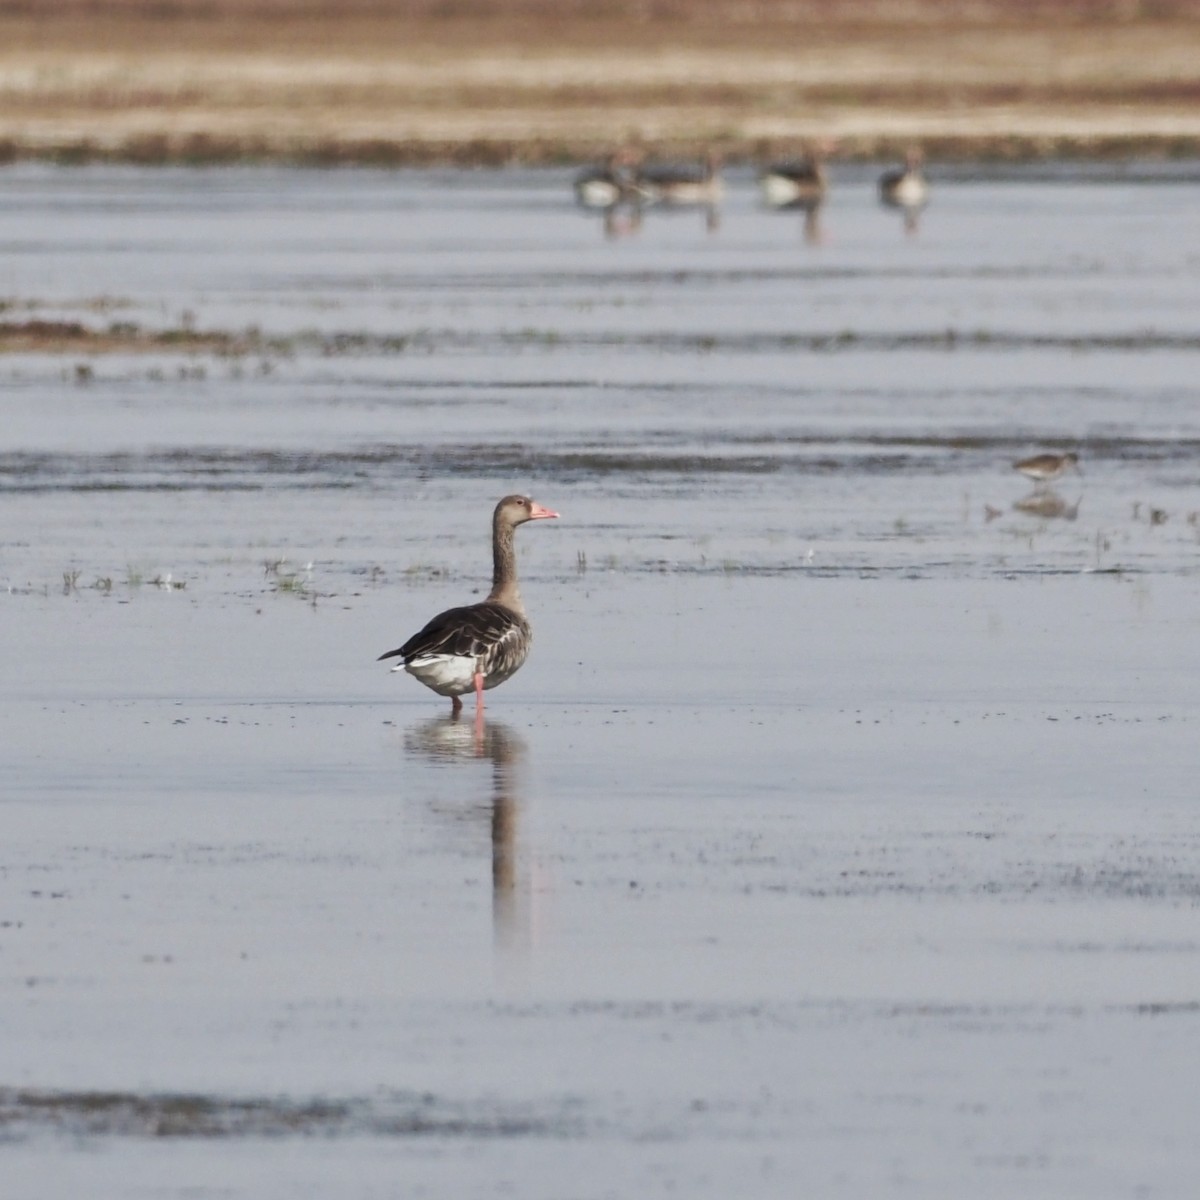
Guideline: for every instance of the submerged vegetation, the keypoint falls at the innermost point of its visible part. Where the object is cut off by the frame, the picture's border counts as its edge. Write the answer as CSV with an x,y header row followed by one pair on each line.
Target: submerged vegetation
x,y
74,337
26,1112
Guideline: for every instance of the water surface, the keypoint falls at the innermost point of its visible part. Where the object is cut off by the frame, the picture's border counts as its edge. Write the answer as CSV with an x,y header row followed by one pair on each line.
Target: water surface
x,y
839,833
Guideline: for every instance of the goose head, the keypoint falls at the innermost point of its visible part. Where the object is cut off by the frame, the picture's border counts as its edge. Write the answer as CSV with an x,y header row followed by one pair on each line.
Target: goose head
x,y
516,510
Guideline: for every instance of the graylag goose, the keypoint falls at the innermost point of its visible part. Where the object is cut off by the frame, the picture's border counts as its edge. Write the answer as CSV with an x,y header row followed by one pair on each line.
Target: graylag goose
x,y
478,646
606,184
1043,468
681,183
905,187
794,183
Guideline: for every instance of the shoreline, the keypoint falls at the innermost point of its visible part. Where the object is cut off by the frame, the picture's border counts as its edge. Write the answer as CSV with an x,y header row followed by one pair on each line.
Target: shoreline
x,y
204,150
207,150
391,85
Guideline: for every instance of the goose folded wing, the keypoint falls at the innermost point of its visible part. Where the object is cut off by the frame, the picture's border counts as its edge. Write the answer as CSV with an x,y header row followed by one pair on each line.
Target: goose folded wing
x,y
464,632
668,173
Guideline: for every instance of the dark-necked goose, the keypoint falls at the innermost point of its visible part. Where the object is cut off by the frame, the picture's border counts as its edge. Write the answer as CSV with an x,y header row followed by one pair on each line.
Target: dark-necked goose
x,y
478,646
794,183
606,184
905,187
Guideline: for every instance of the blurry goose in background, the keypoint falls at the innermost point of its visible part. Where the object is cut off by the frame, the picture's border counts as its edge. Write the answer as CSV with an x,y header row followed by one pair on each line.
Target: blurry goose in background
x,y
681,183
1042,468
905,187
607,184
479,645
794,182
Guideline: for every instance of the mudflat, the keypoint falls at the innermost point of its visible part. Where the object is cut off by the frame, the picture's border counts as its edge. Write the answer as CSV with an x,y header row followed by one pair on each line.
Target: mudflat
x,y
526,81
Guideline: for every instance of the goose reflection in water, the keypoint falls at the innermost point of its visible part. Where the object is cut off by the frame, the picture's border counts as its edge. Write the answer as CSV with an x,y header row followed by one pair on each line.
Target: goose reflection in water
x,y
622,220
457,743
626,219
912,219
812,208
814,232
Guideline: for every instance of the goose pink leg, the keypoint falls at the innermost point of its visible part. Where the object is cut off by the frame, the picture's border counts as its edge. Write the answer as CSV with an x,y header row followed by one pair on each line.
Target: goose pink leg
x,y
479,711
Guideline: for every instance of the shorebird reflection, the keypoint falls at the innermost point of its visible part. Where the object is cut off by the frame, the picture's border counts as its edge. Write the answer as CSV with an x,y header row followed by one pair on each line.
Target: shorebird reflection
x,y
458,742
1047,504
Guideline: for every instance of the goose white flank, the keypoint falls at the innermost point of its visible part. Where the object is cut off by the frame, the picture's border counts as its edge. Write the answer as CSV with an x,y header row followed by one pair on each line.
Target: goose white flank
x,y
905,187
794,183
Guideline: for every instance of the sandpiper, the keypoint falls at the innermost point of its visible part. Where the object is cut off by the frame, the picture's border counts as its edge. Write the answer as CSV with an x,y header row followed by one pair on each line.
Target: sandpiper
x,y
1042,468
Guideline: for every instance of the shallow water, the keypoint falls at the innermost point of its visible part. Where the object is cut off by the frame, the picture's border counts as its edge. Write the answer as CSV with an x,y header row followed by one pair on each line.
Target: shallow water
x,y
839,833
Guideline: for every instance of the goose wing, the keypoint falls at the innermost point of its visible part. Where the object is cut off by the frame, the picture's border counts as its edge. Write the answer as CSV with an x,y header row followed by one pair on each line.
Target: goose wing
x,y
467,632
798,170
667,173
596,173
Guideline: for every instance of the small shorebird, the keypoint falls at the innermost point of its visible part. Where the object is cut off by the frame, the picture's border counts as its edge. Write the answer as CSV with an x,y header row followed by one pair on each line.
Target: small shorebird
x,y
478,646
1042,468
905,187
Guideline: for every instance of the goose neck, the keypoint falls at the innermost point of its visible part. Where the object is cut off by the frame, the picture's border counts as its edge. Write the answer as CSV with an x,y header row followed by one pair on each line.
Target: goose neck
x,y
504,566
